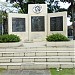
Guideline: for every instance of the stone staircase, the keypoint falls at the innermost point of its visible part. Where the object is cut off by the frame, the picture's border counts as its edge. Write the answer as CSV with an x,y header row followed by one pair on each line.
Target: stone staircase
x,y
37,57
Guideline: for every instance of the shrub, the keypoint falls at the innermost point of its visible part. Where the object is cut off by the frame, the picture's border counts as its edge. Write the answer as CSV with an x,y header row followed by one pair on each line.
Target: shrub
x,y
9,38
57,37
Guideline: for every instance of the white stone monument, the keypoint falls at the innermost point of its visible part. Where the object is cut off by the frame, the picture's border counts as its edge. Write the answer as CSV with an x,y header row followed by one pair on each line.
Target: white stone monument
x,y
37,24
57,23
37,21
18,25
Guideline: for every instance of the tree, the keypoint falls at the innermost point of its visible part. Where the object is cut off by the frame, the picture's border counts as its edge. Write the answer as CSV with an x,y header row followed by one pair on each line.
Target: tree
x,y
24,4
70,7
4,8
71,11
51,8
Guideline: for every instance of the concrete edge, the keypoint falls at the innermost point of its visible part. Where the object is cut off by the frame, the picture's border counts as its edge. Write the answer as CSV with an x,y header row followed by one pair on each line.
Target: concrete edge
x,y
14,44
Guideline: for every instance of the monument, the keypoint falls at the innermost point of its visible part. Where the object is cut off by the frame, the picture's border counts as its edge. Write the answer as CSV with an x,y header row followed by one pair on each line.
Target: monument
x,y
57,23
37,24
18,25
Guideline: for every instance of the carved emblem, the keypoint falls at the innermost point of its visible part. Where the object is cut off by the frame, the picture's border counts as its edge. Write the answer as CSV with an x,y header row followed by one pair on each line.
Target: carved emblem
x,y
37,9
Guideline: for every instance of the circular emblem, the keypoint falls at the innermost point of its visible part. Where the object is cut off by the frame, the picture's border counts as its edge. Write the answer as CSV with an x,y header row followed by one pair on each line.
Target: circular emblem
x,y
37,9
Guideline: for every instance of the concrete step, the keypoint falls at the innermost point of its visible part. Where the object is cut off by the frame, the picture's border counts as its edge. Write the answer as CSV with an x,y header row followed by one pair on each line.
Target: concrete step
x,y
36,53
37,65
49,44
36,49
38,59
32,63
23,51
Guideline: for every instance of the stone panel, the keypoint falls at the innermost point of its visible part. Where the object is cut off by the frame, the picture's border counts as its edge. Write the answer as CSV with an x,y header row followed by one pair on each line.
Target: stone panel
x,y
37,23
5,67
63,53
53,66
8,54
73,60
0,54
18,25
56,23
40,54
28,60
29,54
65,60
35,7
52,60
14,67
17,60
18,54
61,27
33,66
4,60
72,53
67,66
40,60
51,54
21,27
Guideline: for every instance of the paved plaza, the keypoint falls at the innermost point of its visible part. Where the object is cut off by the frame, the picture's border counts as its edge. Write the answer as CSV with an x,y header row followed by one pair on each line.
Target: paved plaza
x,y
25,72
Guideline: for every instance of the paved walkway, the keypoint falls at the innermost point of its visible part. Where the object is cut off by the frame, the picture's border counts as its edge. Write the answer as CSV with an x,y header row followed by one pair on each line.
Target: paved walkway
x,y
25,72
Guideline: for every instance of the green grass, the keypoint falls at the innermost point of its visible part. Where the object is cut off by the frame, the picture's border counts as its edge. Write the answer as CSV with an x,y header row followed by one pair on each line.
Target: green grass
x,y
2,69
62,72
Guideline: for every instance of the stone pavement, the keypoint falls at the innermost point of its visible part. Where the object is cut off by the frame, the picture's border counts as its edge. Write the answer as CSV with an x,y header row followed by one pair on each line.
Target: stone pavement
x,y
25,72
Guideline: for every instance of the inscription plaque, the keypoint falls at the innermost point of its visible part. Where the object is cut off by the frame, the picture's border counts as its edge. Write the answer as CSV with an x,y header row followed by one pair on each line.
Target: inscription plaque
x,y
56,23
37,23
18,24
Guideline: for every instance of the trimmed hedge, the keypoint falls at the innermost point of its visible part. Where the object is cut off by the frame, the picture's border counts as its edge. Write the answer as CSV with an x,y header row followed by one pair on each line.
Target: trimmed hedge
x,y
57,37
9,38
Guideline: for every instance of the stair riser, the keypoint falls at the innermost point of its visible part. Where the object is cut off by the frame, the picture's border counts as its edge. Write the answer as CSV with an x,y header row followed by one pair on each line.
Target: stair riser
x,y
19,60
38,66
37,54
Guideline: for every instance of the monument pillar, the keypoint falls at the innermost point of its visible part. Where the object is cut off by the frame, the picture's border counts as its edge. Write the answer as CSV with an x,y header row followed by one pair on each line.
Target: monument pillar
x,y
37,21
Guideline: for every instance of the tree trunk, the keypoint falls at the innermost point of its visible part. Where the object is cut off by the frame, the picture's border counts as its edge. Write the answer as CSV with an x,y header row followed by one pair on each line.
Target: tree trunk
x,y
74,31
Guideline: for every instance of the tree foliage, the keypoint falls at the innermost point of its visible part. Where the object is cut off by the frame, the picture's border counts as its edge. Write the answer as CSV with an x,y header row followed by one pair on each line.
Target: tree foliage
x,y
23,4
67,0
71,7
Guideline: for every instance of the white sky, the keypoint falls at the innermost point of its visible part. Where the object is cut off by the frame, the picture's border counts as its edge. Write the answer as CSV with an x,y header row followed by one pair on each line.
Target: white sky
x,y
64,5
68,22
2,0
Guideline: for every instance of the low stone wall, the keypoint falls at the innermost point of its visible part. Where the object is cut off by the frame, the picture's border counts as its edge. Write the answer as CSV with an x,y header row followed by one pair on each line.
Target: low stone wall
x,y
61,44
39,44
13,44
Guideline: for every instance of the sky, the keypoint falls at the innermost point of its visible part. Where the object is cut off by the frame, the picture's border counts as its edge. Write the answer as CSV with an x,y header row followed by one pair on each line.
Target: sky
x,y
62,5
2,0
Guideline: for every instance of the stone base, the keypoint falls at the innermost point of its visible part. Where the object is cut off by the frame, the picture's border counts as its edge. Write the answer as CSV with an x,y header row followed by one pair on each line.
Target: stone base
x,y
15,44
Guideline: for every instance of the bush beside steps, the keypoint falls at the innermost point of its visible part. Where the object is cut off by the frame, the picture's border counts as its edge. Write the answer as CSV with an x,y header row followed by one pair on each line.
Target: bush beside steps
x,y
57,37
9,38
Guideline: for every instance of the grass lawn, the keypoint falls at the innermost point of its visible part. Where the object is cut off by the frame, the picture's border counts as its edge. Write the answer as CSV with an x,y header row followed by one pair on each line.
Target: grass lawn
x,y
62,72
2,69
